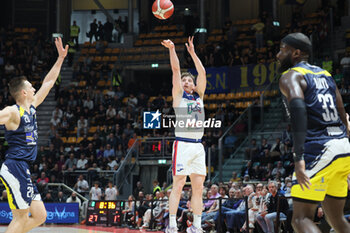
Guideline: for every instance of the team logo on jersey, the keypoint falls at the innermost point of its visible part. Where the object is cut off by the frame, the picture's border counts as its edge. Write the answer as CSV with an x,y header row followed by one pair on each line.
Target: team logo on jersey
x,y
26,119
193,107
151,120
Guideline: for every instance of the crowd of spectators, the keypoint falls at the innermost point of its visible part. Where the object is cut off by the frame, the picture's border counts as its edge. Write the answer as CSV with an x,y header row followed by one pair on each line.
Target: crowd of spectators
x,y
109,122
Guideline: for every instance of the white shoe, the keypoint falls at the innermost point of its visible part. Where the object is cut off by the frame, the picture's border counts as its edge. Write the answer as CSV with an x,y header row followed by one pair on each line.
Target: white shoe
x,y
170,229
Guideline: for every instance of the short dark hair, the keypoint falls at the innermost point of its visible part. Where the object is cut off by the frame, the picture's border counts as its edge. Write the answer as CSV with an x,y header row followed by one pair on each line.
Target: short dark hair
x,y
299,41
16,84
184,74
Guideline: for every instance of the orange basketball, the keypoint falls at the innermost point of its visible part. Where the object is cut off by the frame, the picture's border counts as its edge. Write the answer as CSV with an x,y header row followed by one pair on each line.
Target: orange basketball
x,y
162,9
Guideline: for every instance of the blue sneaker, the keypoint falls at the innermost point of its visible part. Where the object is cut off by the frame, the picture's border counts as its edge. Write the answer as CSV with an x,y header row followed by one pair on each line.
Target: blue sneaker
x,y
194,229
170,229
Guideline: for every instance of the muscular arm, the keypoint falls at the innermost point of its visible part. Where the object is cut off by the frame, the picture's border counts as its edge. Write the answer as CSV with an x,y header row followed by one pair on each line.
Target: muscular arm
x,y
175,67
51,77
9,117
291,87
5,115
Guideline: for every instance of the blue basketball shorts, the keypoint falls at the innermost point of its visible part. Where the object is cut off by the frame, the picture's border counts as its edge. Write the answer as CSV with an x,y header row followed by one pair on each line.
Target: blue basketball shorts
x,y
21,191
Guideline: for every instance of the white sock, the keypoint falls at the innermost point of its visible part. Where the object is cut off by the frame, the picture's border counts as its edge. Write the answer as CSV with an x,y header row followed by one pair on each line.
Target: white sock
x,y
172,219
197,220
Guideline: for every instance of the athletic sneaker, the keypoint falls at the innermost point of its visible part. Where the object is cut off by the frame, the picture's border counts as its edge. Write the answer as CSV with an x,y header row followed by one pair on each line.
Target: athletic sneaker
x,y
194,229
170,229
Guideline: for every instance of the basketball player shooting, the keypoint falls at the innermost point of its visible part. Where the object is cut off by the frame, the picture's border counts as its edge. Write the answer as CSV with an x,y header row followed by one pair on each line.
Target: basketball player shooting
x,y
21,135
320,137
188,151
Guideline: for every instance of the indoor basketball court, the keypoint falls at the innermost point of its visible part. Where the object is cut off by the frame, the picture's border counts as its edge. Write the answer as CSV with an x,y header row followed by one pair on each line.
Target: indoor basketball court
x,y
78,229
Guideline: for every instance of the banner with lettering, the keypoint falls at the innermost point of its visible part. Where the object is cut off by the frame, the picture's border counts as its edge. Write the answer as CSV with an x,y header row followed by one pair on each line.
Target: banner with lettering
x,y
56,213
228,79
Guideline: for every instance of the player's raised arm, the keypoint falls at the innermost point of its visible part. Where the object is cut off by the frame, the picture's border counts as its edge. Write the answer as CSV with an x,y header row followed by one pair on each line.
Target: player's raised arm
x,y
202,77
290,85
175,67
51,77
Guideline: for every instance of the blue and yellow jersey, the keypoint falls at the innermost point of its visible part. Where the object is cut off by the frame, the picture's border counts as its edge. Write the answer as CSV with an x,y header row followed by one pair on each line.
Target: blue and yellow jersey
x,y
23,141
323,121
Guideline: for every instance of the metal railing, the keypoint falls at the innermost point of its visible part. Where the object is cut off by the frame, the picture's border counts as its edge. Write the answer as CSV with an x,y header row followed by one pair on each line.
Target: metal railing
x,y
241,130
122,177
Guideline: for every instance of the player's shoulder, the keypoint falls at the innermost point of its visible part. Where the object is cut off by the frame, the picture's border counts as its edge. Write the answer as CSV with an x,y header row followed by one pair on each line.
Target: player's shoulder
x,y
13,109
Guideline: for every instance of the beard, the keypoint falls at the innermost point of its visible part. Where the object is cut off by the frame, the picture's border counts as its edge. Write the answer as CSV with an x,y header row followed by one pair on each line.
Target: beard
x,y
285,64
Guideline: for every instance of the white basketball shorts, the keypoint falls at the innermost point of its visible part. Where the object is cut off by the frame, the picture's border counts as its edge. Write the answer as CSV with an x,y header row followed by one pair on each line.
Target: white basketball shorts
x,y
188,158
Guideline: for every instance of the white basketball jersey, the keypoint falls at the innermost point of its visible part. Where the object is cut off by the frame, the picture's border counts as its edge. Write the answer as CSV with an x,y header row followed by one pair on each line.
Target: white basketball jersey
x,y
190,111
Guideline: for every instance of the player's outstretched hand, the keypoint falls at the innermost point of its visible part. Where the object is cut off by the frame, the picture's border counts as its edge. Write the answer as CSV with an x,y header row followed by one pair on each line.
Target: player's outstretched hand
x,y
62,52
189,45
303,179
168,44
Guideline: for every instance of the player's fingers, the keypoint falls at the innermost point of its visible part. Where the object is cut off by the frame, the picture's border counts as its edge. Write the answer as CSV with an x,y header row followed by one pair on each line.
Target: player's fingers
x,y
186,45
301,186
66,48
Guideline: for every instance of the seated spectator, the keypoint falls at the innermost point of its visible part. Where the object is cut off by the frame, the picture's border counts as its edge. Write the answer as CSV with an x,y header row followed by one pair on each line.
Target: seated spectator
x,y
266,219
82,185
57,112
88,103
279,169
57,142
82,126
60,197
82,162
259,206
129,210
235,218
109,152
100,115
110,114
42,181
234,177
263,152
214,194
70,162
74,199
132,101
112,163
55,121
48,197
95,192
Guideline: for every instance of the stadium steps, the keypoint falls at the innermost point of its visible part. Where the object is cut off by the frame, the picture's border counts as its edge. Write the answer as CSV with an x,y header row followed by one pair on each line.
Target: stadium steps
x,y
44,113
273,122
47,107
